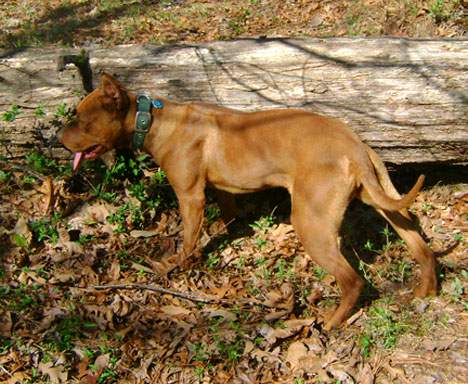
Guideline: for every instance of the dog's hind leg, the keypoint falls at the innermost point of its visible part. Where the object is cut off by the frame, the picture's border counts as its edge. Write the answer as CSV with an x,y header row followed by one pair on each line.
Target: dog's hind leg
x,y
318,206
405,227
403,224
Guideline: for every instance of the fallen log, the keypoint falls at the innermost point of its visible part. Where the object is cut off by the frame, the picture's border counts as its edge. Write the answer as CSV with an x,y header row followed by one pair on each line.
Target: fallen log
x,y
406,98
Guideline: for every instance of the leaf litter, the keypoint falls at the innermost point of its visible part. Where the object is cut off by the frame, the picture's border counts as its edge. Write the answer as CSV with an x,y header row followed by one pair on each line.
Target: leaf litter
x,y
87,305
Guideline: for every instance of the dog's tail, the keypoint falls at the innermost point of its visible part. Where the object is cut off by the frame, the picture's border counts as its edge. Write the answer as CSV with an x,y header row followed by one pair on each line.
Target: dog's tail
x,y
381,189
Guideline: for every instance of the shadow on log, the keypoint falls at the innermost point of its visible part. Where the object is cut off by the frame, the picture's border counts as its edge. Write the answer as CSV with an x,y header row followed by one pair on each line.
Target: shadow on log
x,y
407,98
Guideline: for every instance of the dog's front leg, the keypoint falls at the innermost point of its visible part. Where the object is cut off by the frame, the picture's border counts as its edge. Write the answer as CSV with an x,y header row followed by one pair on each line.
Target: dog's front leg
x,y
192,209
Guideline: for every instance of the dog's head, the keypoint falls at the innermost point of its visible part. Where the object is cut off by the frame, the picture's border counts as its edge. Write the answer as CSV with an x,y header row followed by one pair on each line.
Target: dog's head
x,y
99,122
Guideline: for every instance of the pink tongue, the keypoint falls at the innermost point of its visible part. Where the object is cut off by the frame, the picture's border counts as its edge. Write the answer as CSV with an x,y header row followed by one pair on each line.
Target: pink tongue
x,y
77,160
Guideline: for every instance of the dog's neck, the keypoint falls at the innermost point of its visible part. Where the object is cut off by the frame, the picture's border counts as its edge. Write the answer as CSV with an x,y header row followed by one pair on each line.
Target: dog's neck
x,y
161,126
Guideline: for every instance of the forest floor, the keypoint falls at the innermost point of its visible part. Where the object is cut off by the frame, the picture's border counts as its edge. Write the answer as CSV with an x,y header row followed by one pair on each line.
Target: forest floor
x,y
251,309
110,22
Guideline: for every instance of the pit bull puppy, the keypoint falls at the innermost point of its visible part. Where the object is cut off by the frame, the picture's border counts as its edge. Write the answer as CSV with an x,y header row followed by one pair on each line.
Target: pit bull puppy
x,y
319,160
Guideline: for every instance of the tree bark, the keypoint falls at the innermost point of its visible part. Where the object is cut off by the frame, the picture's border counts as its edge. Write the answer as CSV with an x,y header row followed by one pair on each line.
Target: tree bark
x,y
406,98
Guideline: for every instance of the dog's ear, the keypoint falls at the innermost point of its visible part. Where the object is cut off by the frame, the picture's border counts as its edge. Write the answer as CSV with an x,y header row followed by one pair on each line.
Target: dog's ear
x,y
114,91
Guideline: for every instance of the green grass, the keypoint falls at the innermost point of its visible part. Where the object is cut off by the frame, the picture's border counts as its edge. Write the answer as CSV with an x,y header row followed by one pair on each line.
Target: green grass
x,y
382,328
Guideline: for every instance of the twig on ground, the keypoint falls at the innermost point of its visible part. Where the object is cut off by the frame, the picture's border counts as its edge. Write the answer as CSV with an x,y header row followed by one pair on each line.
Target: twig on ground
x,y
157,288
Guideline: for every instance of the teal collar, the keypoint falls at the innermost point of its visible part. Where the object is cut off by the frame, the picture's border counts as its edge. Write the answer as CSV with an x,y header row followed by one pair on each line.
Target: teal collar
x,y
144,118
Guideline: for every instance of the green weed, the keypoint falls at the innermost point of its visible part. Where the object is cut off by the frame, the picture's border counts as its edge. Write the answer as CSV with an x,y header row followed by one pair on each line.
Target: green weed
x,y
12,114
40,111
443,10
213,260
22,298
399,272
199,353
85,239
20,241
319,272
4,176
263,224
42,164
284,270
46,229
381,329
212,213
127,215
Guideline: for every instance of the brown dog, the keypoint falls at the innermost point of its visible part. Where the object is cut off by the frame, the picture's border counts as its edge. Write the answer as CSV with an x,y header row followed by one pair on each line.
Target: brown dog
x,y
319,160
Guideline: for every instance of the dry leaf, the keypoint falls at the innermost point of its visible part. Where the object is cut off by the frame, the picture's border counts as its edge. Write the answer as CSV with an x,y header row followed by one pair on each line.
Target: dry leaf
x,y
101,362
114,270
227,315
365,375
57,374
22,229
295,353
137,233
17,377
49,317
119,306
174,310
139,267
5,323
288,328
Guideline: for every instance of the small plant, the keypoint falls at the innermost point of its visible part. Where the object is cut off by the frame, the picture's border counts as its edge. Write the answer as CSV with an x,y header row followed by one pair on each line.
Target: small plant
x,y
46,229
12,114
200,372
21,298
212,261
458,236
20,241
199,353
85,239
382,328
354,27
27,180
42,164
127,215
39,111
399,272
319,273
212,214
388,238
283,270
369,246
260,242
442,10
4,176
61,110
366,272
263,224
456,289
138,190
160,177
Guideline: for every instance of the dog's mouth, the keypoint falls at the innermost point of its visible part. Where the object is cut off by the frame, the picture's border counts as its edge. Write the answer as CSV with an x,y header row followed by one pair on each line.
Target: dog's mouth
x,y
89,154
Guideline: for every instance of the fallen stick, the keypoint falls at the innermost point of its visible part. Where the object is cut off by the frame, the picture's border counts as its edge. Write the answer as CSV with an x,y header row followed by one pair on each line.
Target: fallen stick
x,y
184,295
157,288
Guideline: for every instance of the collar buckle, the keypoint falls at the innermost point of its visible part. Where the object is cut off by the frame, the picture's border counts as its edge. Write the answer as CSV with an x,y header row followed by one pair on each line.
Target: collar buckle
x,y
143,120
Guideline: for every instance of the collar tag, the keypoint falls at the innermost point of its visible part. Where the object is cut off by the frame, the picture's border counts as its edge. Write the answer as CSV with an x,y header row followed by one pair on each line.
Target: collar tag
x,y
142,120
158,104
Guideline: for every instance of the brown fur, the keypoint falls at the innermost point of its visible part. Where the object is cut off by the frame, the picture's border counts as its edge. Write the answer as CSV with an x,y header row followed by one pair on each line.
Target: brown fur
x,y
319,160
